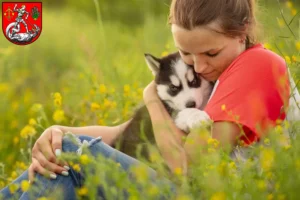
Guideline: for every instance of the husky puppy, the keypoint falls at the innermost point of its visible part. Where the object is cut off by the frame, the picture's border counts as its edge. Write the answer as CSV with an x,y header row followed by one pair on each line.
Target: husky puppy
x,y
178,87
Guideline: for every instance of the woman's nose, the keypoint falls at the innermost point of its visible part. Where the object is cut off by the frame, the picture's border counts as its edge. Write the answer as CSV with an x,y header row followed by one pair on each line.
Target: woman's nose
x,y
200,65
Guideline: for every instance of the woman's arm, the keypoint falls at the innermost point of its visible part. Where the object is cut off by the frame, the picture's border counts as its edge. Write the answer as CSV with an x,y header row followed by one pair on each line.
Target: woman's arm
x,y
169,138
108,134
226,133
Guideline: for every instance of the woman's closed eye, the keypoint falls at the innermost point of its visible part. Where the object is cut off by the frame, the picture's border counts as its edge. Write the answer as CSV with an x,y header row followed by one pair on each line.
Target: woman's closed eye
x,y
212,55
185,53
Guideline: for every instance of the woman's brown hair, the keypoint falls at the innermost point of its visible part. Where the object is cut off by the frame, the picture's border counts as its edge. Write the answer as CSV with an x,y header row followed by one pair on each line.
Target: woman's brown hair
x,y
235,17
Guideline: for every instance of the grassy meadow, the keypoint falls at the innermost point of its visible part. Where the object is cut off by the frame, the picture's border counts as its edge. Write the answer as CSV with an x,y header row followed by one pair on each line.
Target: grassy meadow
x,y
88,68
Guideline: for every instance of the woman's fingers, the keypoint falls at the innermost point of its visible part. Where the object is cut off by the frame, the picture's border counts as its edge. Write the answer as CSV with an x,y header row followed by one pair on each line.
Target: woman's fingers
x,y
49,165
46,149
45,168
56,143
31,173
56,140
36,167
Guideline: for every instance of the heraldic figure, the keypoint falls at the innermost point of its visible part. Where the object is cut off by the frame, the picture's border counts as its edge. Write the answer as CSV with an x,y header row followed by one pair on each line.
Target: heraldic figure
x,y
19,19
13,29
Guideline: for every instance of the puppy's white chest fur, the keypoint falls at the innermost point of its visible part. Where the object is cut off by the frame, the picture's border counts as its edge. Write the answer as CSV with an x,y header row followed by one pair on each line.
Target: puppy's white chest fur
x,y
190,118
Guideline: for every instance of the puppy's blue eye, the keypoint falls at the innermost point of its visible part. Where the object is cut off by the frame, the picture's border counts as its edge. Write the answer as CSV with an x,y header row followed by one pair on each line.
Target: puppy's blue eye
x,y
194,82
173,88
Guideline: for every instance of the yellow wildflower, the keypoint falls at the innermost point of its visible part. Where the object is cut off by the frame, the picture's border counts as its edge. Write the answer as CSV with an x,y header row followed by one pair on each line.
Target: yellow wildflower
x,y
32,122
15,105
178,171
107,103
287,59
294,58
57,99
281,197
141,173
270,197
183,197
289,4
36,107
16,140
28,130
298,45
21,165
13,188
218,196
59,116
267,158
84,159
76,167
25,185
2,184
213,142
293,12
279,129
4,87
83,191
232,165
14,174
92,92
42,198
95,106
287,147
126,89
164,53
102,89
101,122
267,46
261,185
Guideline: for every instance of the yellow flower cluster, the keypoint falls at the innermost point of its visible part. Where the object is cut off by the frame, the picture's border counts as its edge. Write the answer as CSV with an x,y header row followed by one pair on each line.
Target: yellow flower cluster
x,y
57,99
83,191
84,159
28,130
267,158
291,7
58,116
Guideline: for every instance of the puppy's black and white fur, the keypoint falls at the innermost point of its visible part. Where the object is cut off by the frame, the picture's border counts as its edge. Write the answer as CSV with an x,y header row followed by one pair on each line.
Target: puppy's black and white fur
x,y
180,88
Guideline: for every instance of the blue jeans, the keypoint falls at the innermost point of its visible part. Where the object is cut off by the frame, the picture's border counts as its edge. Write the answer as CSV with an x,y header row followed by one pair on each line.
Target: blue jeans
x,y
68,184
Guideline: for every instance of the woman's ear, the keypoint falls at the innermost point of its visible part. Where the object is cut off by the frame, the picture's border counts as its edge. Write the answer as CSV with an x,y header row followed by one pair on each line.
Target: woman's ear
x,y
153,63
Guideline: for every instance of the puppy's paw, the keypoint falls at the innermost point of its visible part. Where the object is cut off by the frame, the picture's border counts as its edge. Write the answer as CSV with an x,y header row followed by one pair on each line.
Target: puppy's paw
x,y
190,118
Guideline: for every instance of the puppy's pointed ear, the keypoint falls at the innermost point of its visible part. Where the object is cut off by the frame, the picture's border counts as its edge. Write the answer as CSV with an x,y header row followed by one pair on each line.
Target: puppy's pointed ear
x,y
153,63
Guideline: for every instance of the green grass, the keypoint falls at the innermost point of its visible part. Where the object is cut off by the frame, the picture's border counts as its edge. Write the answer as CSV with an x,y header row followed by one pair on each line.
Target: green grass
x,y
76,55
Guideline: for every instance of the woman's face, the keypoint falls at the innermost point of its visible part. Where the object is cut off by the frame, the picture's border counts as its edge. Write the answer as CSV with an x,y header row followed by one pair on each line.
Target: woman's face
x,y
208,51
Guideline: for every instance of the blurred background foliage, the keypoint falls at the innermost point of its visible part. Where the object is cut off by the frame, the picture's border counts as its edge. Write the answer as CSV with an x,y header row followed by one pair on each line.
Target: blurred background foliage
x,y
88,68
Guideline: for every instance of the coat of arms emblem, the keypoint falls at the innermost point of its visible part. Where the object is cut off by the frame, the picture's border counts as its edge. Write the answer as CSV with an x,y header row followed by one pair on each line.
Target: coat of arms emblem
x,y
22,21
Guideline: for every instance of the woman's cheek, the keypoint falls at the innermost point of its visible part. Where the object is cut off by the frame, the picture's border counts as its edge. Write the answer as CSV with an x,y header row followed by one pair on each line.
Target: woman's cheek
x,y
187,59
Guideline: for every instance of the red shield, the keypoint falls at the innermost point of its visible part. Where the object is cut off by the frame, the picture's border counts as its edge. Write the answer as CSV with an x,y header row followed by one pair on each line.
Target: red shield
x,y
22,21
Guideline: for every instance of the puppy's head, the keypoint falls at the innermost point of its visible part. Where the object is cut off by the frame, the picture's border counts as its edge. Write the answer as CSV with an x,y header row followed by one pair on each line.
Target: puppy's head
x,y
178,85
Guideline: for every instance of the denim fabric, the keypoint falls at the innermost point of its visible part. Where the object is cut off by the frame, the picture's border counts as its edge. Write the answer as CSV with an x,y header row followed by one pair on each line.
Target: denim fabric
x,y
68,184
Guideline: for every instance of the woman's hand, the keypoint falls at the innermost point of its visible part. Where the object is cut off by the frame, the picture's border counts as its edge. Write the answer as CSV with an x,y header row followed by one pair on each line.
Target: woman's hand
x,y
44,160
150,93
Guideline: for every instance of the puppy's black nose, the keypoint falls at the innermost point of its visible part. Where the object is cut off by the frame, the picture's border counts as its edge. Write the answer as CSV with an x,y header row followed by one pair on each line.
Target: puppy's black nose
x,y
190,104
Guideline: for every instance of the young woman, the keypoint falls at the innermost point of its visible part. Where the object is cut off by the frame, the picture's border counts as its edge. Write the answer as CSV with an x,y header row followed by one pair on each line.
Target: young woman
x,y
218,39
